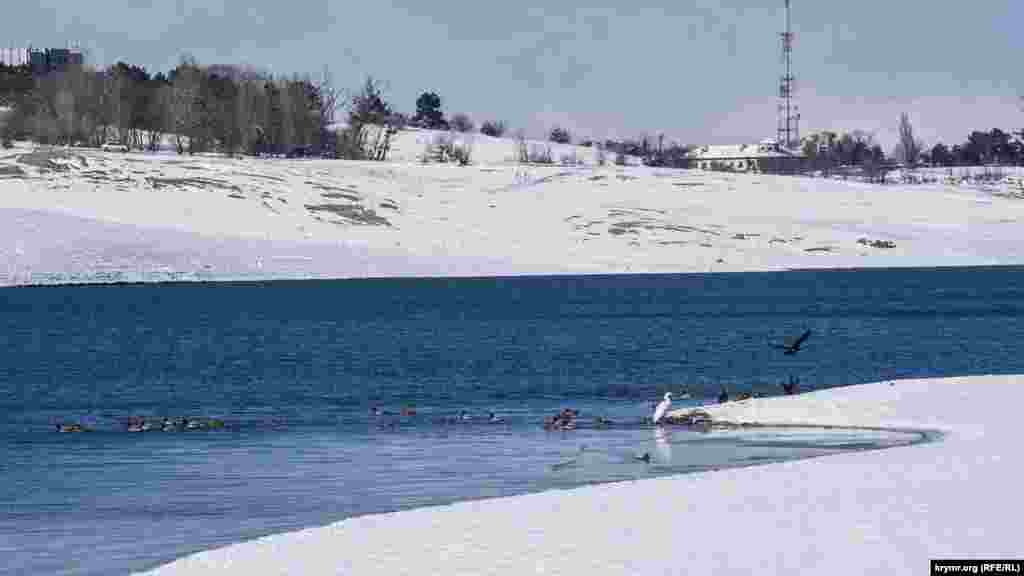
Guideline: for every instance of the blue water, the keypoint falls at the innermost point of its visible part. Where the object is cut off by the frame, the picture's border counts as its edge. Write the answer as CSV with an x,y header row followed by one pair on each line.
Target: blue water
x,y
294,367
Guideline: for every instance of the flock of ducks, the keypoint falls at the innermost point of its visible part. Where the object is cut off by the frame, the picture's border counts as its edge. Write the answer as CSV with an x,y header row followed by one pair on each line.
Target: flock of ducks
x,y
139,424
462,418
566,419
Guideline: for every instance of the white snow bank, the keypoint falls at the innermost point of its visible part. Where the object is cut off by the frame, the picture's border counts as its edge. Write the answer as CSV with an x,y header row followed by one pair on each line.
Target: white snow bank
x,y
535,219
888,511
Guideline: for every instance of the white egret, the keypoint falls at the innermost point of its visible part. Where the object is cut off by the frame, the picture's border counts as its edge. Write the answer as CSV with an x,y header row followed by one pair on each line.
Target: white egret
x,y
659,412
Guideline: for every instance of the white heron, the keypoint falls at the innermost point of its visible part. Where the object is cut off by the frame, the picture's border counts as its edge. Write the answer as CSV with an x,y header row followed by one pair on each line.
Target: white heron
x,y
659,412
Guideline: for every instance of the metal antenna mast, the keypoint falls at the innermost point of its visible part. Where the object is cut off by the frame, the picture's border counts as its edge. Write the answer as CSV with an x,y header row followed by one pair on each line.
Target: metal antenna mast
x,y
789,116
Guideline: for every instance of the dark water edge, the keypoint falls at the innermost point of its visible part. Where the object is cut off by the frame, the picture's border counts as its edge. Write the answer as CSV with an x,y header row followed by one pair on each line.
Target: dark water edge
x,y
212,278
294,366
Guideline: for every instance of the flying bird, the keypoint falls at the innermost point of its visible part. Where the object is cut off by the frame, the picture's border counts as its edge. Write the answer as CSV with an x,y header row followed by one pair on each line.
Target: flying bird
x,y
793,346
659,412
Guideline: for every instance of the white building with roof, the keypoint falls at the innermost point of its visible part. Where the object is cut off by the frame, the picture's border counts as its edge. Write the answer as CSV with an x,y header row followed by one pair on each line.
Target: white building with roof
x,y
765,156
14,56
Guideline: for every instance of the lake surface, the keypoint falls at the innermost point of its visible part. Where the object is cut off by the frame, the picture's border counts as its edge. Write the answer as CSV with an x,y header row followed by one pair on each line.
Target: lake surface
x,y
293,369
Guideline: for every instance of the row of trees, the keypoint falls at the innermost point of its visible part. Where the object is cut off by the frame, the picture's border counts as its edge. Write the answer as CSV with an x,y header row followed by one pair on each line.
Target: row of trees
x,y
858,148
233,109
827,149
994,146
199,108
216,108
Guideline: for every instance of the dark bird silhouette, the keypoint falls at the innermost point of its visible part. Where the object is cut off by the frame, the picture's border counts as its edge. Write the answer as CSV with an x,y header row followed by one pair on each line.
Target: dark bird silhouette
x,y
793,346
723,397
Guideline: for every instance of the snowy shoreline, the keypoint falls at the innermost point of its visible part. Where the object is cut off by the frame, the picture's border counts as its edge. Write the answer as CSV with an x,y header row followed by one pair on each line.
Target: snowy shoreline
x,y
74,215
892,509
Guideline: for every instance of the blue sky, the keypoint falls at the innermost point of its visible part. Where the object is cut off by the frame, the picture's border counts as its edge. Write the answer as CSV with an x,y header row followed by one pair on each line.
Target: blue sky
x,y
700,71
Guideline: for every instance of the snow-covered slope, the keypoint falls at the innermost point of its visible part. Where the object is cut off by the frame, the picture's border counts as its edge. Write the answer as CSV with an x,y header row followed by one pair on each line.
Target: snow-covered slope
x,y
245,217
886,511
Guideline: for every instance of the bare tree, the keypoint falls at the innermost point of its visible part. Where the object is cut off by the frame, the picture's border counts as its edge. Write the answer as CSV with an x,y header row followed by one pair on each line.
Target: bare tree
x,y
495,128
909,148
462,123
184,96
329,99
160,118
371,124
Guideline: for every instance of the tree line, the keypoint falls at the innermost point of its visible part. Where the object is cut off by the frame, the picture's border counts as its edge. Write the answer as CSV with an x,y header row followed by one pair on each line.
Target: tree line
x,y
239,110
227,109
994,146
218,108
825,150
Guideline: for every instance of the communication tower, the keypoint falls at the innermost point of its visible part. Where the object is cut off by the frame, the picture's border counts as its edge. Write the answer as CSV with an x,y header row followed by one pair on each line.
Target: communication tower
x,y
789,113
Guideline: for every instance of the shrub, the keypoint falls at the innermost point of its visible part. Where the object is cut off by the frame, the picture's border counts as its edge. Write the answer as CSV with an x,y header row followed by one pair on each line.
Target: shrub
x,y
444,149
620,158
570,159
462,154
495,128
540,155
560,135
522,154
462,123
398,121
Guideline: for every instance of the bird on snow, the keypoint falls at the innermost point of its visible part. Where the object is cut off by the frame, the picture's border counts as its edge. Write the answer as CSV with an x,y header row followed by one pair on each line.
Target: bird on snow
x,y
659,412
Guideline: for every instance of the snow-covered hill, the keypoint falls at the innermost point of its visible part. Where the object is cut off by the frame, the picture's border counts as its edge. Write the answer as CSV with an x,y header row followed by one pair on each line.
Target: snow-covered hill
x,y
83,215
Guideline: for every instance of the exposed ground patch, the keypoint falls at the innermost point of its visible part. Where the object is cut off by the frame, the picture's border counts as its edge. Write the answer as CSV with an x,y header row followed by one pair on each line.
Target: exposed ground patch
x,y
876,243
101,176
50,160
261,176
204,183
11,171
341,196
336,192
350,214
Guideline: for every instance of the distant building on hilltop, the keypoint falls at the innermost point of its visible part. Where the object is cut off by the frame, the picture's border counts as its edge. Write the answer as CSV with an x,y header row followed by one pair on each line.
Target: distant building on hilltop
x,y
54,59
765,157
13,56
42,61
